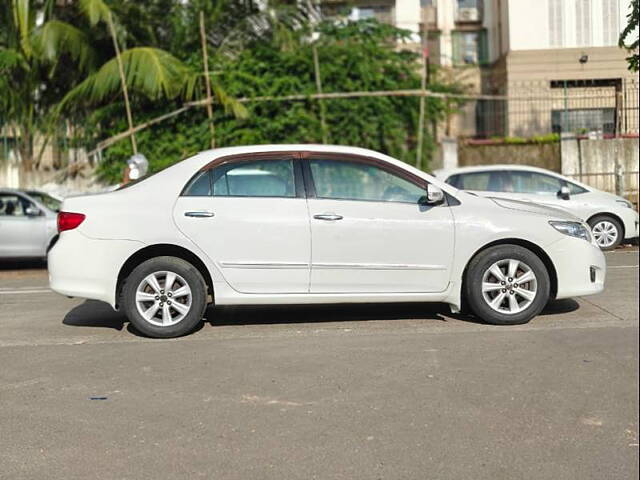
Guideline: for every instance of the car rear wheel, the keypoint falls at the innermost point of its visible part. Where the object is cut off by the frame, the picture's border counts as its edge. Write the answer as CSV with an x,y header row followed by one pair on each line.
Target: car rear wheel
x,y
607,231
165,297
507,285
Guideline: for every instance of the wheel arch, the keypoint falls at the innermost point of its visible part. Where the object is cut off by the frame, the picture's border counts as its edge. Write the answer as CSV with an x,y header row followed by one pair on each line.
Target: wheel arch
x,y
612,215
551,269
160,250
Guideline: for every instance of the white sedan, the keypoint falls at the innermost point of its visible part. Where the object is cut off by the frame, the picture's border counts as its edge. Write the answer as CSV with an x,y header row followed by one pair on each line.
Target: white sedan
x,y
311,224
612,219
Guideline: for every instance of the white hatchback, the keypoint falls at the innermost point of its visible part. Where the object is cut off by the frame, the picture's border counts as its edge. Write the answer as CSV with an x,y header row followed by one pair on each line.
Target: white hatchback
x,y
612,219
310,224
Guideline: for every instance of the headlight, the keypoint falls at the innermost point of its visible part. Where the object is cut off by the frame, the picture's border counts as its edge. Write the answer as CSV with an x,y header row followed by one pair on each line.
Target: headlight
x,y
625,203
573,229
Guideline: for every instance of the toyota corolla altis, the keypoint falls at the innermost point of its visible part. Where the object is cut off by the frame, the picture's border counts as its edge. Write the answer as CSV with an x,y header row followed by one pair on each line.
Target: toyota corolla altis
x,y
311,224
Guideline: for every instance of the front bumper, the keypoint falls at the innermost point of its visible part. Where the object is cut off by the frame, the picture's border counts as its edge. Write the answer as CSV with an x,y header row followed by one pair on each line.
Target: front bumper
x,y
83,267
580,266
630,219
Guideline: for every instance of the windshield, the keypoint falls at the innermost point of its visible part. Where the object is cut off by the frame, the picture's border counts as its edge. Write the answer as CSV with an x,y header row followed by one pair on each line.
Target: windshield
x,y
46,200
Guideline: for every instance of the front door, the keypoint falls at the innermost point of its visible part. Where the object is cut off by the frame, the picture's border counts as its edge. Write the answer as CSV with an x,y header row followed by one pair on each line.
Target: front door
x,y
370,235
250,217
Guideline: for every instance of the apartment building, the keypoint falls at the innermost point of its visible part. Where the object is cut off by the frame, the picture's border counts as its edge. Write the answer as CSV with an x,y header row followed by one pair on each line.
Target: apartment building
x,y
558,57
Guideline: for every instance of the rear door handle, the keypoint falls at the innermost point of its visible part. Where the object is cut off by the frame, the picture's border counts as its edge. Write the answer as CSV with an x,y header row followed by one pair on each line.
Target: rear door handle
x,y
331,217
202,214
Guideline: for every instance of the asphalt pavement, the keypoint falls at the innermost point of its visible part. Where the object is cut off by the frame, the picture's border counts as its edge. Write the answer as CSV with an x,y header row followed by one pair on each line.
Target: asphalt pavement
x,y
334,392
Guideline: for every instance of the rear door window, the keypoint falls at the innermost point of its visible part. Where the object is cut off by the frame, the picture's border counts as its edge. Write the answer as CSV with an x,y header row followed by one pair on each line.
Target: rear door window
x,y
489,181
262,178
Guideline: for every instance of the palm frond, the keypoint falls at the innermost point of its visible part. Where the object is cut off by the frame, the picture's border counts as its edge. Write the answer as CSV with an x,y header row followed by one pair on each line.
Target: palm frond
x,y
149,71
56,37
95,10
23,19
229,103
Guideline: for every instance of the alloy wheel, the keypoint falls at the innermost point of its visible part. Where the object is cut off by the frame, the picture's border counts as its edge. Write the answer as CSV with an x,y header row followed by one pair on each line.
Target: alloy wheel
x,y
605,233
509,286
163,298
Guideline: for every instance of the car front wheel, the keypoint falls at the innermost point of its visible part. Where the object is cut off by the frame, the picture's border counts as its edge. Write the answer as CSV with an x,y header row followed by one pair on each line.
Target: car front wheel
x,y
607,231
165,297
507,285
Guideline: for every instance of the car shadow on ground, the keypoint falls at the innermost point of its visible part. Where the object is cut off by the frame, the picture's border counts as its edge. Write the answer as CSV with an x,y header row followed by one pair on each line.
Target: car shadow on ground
x,y
295,314
23,264
97,314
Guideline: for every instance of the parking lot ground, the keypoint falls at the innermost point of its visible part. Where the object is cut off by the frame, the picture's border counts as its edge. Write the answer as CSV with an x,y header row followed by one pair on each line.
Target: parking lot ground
x,y
339,392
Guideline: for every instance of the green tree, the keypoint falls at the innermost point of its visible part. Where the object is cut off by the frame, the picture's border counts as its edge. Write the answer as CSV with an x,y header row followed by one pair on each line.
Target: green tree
x,y
29,57
33,54
629,31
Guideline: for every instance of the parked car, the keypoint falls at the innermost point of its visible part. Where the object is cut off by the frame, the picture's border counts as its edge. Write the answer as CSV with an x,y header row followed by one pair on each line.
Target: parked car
x,y
612,219
321,224
27,223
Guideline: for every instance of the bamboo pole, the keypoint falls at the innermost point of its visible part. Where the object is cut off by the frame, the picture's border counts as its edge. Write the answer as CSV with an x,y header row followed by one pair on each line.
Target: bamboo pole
x,y
323,111
423,87
207,80
123,81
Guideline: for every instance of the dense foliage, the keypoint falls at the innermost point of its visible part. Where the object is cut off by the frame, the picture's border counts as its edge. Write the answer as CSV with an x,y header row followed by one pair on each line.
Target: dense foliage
x,y
359,56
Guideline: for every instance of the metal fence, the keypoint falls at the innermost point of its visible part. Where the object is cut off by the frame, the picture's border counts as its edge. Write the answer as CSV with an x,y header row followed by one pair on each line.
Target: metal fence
x,y
600,108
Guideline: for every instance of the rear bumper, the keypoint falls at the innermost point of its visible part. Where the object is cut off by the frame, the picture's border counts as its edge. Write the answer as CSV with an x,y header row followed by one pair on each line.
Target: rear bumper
x,y
580,267
88,268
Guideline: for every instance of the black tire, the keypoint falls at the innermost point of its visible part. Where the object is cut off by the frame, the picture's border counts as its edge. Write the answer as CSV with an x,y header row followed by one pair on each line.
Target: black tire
x,y
474,279
619,228
192,277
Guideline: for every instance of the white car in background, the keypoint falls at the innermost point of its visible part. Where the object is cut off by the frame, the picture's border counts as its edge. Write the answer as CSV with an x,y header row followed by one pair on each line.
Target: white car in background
x,y
312,224
612,219
27,223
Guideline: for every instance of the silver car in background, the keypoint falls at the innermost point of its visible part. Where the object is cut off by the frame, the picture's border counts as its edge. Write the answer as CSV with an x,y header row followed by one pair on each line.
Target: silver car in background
x,y
27,223
612,219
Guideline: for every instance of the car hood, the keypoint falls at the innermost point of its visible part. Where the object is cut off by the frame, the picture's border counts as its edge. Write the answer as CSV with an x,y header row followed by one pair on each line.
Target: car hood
x,y
530,207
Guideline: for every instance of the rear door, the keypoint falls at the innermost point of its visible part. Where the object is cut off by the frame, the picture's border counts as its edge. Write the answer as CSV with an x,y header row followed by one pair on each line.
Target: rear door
x,y
249,215
368,232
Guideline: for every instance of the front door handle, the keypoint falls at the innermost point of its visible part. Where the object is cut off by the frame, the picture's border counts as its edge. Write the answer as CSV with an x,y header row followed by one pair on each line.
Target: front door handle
x,y
201,214
331,217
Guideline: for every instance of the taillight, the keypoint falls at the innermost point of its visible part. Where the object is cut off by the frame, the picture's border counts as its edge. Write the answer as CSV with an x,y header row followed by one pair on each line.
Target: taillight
x,y
69,220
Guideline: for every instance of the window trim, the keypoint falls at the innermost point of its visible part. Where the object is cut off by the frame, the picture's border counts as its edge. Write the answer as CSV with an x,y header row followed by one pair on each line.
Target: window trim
x,y
352,158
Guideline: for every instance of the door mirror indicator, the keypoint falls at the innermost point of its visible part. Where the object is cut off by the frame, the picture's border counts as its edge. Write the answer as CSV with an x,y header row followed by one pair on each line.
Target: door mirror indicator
x,y
564,192
434,196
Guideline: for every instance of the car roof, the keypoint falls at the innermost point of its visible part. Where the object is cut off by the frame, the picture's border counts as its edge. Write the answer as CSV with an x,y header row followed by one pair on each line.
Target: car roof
x,y
209,155
25,193
447,172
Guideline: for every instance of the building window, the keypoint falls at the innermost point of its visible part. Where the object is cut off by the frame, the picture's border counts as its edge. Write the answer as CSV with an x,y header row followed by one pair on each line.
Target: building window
x,y
584,120
583,23
556,33
469,47
382,13
468,10
610,27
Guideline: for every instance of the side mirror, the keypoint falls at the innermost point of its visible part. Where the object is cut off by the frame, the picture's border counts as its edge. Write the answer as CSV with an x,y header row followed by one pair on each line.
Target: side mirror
x,y
563,193
32,211
434,196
